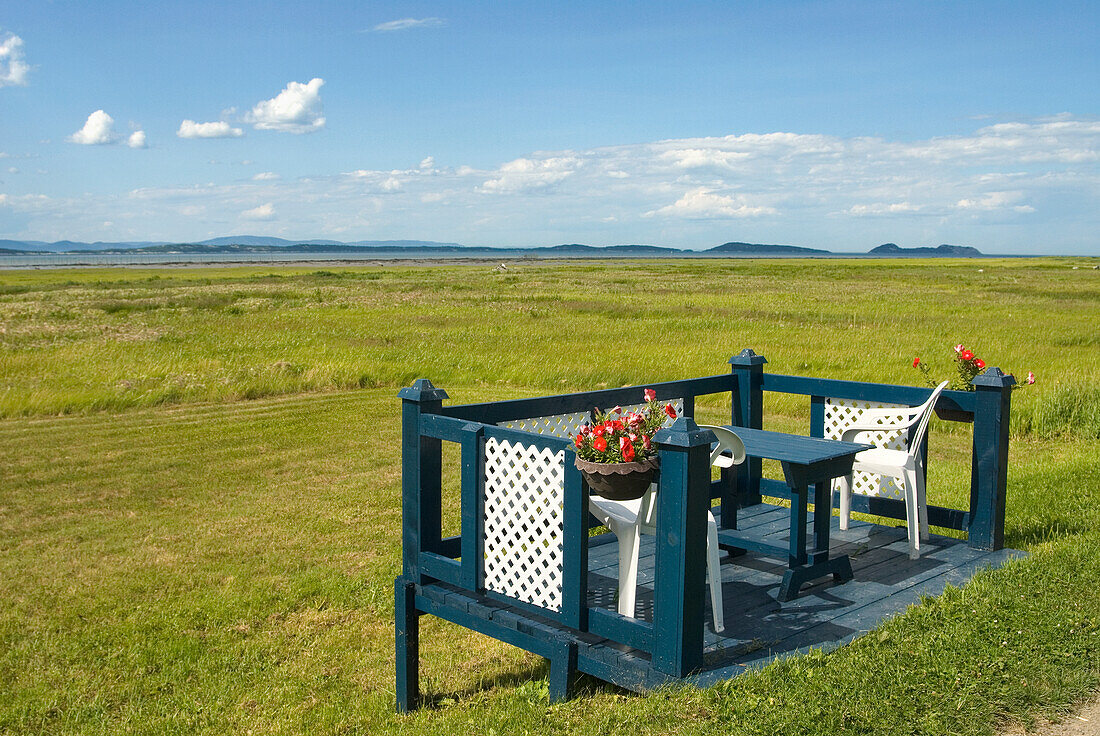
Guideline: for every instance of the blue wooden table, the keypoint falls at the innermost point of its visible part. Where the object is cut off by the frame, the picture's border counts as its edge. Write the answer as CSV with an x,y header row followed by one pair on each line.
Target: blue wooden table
x,y
806,461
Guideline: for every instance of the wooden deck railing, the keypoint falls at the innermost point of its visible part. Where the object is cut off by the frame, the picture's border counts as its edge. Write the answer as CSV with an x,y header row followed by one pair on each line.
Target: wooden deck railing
x,y
540,568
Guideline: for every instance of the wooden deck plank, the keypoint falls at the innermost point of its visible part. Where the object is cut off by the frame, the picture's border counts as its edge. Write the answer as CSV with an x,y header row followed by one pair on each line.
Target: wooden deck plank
x,y
758,629
880,561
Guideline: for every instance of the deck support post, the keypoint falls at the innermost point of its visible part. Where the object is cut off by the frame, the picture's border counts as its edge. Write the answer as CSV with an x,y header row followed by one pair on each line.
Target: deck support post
x,y
563,671
989,467
683,499
746,410
406,622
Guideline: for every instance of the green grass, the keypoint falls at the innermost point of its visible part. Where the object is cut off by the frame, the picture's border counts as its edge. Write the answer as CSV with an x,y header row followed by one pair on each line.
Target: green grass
x,y
78,341
174,559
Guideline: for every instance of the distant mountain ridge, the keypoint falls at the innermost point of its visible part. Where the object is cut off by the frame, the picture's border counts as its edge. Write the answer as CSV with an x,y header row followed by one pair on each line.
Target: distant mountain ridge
x,y
757,248
954,251
426,248
62,246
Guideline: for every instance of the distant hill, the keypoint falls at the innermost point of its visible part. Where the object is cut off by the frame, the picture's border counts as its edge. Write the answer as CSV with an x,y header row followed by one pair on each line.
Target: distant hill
x,y
956,251
70,246
190,248
762,249
432,249
62,246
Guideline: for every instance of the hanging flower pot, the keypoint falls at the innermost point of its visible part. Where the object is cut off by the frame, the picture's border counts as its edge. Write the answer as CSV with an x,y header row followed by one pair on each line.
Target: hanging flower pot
x,y
618,481
615,453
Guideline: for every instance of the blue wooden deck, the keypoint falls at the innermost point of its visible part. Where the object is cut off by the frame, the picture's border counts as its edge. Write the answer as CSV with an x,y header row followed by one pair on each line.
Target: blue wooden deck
x,y
759,629
567,613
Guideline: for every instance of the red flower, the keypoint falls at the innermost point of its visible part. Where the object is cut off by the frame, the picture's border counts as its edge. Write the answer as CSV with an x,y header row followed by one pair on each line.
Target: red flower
x,y
579,441
1030,378
670,411
916,362
617,410
647,443
617,425
966,355
649,394
980,363
626,449
600,444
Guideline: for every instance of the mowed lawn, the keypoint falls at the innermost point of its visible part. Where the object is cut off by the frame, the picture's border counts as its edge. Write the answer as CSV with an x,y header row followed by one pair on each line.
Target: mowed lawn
x,y
200,487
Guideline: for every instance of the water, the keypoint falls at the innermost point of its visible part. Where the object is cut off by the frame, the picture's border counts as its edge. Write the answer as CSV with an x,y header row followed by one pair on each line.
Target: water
x,y
40,260
47,260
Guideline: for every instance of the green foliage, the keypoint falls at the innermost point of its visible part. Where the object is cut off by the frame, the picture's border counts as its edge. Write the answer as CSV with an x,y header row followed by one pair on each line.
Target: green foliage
x,y
1067,411
175,558
198,334
967,367
617,436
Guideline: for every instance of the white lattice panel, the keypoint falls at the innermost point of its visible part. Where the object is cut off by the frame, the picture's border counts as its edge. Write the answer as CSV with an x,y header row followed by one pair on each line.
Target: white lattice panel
x,y
558,425
523,526
839,415
567,425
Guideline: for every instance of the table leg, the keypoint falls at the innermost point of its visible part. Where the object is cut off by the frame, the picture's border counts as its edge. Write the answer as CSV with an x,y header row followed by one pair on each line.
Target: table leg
x,y
823,514
797,554
729,498
804,568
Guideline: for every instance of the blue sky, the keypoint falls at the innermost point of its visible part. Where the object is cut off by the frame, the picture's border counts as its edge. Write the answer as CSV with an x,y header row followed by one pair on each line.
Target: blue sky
x,y
839,125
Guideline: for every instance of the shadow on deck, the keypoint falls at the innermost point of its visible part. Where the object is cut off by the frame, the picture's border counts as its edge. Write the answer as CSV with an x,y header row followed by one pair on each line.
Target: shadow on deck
x,y
759,629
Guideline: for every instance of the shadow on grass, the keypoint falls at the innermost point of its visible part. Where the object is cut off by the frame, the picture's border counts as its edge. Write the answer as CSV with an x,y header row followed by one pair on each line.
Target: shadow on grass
x,y
1038,532
536,675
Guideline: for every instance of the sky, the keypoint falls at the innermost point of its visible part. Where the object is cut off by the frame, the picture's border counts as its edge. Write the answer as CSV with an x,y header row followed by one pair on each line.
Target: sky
x,y
837,125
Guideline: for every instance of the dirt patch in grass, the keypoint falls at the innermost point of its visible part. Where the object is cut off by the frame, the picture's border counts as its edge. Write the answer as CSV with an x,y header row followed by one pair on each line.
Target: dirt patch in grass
x,y
1085,722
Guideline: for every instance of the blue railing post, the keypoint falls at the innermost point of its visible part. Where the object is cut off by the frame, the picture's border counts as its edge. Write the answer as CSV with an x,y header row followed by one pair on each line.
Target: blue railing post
x,y
421,510
989,469
574,594
421,476
683,498
406,622
747,410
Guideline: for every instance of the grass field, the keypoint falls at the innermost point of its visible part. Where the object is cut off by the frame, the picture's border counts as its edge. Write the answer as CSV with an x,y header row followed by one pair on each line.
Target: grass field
x,y
199,487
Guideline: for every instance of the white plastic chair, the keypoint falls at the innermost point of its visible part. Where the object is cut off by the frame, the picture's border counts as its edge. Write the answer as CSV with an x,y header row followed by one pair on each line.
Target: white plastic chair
x,y
905,465
628,520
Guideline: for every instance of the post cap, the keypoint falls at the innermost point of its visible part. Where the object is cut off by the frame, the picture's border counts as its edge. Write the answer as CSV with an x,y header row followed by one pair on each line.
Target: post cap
x,y
747,357
422,390
993,377
684,432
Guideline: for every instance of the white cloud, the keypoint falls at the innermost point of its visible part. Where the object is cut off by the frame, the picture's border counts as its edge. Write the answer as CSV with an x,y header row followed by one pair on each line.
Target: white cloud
x,y
406,23
427,163
13,69
297,109
882,208
990,201
219,129
703,204
841,193
525,174
136,139
263,212
96,130
692,158
265,176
